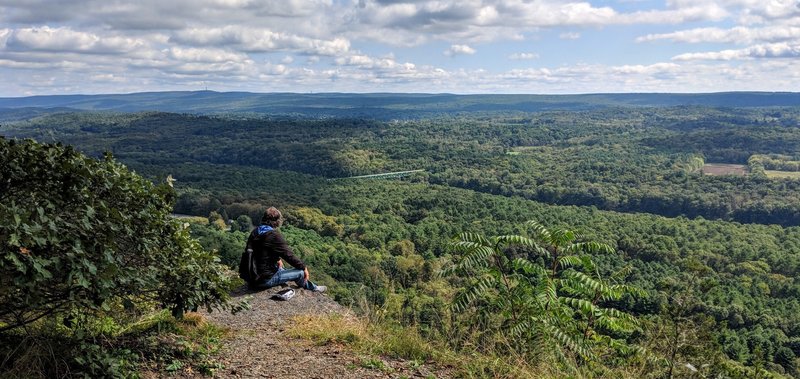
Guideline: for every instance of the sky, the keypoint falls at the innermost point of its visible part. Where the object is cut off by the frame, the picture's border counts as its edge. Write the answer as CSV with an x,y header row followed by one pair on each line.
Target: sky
x,y
51,47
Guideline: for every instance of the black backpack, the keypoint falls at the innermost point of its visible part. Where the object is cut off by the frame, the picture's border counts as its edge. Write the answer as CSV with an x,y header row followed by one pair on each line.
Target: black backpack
x,y
247,265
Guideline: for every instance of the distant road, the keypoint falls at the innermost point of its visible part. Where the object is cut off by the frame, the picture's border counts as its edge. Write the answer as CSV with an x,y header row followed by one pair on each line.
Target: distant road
x,y
396,174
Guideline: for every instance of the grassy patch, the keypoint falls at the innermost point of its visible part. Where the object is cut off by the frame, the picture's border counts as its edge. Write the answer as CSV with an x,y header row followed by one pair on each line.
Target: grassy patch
x,y
385,340
330,329
188,344
192,219
725,169
772,174
486,366
375,364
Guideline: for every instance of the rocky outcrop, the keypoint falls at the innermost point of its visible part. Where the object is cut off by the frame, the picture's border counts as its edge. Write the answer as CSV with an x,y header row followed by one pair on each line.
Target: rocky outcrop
x,y
259,348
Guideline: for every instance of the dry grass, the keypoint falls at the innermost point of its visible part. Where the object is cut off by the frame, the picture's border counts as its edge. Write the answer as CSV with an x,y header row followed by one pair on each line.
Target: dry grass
x,y
32,358
725,169
773,174
329,329
405,343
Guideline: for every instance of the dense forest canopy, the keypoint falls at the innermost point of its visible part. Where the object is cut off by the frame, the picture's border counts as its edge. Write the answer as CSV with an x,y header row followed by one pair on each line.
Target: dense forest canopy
x,y
712,259
622,159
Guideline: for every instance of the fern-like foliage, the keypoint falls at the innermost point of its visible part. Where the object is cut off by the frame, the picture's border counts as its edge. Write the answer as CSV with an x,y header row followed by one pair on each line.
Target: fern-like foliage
x,y
550,300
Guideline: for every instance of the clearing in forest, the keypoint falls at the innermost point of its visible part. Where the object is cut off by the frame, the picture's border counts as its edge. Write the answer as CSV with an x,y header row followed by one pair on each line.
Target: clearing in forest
x,y
725,169
774,174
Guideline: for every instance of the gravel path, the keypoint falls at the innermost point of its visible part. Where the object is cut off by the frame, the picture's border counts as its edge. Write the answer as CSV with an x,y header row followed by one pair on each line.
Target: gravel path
x,y
258,348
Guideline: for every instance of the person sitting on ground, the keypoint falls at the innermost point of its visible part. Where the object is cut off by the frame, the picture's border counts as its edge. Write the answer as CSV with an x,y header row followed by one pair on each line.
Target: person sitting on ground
x,y
269,248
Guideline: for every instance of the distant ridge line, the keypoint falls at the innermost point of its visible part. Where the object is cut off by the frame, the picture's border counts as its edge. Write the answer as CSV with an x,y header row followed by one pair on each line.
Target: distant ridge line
x,y
386,105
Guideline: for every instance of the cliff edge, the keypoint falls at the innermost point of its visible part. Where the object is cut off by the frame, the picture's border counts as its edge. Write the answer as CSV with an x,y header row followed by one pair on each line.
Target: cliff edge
x,y
259,347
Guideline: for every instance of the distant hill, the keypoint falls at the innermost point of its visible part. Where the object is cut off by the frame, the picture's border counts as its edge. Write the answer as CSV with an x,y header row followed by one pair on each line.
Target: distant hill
x,y
382,105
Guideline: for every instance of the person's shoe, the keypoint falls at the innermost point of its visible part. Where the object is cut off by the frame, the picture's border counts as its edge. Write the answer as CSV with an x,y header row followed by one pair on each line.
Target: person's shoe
x,y
320,289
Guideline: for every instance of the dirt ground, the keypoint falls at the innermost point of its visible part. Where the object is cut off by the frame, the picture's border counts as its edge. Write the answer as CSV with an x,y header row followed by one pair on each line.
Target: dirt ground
x,y
258,347
725,169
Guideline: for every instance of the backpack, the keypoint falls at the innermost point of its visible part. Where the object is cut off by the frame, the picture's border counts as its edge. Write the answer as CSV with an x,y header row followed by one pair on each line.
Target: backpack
x,y
247,264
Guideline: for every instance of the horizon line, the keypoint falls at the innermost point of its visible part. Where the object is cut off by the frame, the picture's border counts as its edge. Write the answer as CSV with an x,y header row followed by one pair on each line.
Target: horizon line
x,y
405,93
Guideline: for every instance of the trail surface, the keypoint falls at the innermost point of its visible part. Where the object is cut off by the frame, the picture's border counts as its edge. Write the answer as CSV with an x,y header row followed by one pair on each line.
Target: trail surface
x,y
258,346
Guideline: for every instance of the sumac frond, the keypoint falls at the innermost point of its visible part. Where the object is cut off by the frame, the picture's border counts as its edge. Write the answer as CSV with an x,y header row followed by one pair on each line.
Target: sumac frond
x,y
550,306
473,292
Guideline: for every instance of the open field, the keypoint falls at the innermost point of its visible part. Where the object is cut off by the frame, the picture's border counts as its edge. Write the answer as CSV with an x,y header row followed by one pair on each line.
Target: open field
x,y
773,174
516,150
724,169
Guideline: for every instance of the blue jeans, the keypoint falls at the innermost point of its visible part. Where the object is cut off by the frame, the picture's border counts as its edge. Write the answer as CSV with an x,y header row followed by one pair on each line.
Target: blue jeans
x,y
283,276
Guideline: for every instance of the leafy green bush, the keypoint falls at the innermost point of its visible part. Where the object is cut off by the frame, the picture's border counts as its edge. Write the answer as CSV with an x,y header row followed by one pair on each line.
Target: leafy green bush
x,y
541,295
81,233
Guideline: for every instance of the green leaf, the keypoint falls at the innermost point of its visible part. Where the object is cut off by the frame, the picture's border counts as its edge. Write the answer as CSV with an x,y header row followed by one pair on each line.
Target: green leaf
x,y
21,266
13,240
516,240
528,267
37,266
473,292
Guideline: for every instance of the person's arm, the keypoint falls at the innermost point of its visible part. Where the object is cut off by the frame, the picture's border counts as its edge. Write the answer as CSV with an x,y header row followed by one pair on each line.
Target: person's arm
x,y
284,251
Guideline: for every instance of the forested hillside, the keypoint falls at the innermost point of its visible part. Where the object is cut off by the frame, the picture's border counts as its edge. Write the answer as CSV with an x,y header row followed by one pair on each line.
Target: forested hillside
x,y
384,106
622,159
709,261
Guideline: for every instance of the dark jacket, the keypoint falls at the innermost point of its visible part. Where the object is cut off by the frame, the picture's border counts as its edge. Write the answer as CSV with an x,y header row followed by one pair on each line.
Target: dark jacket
x,y
268,247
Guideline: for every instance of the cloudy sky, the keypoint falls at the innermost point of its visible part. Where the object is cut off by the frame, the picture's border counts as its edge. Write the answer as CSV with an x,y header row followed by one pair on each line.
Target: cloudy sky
x,y
458,46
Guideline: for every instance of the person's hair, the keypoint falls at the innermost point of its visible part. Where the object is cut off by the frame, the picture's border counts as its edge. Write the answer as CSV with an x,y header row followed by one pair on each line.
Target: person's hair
x,y
272,217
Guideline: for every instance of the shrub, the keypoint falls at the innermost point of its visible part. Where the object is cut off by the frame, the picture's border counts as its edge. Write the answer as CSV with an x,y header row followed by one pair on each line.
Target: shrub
x,y
84,234
542,297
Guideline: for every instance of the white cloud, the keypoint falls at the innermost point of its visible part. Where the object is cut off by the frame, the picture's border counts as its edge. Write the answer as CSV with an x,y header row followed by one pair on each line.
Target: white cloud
x,y
4,34
260,40
688,76
688,12
761,11
275,69
159,14
91,45
416,22
523,56
772,50
653,69
367,62
205,55
569,35
459,50
33,65
66,40
737,35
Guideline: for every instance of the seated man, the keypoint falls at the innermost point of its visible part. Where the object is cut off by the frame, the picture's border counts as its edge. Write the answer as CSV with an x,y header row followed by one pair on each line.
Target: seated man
x,y
268,248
